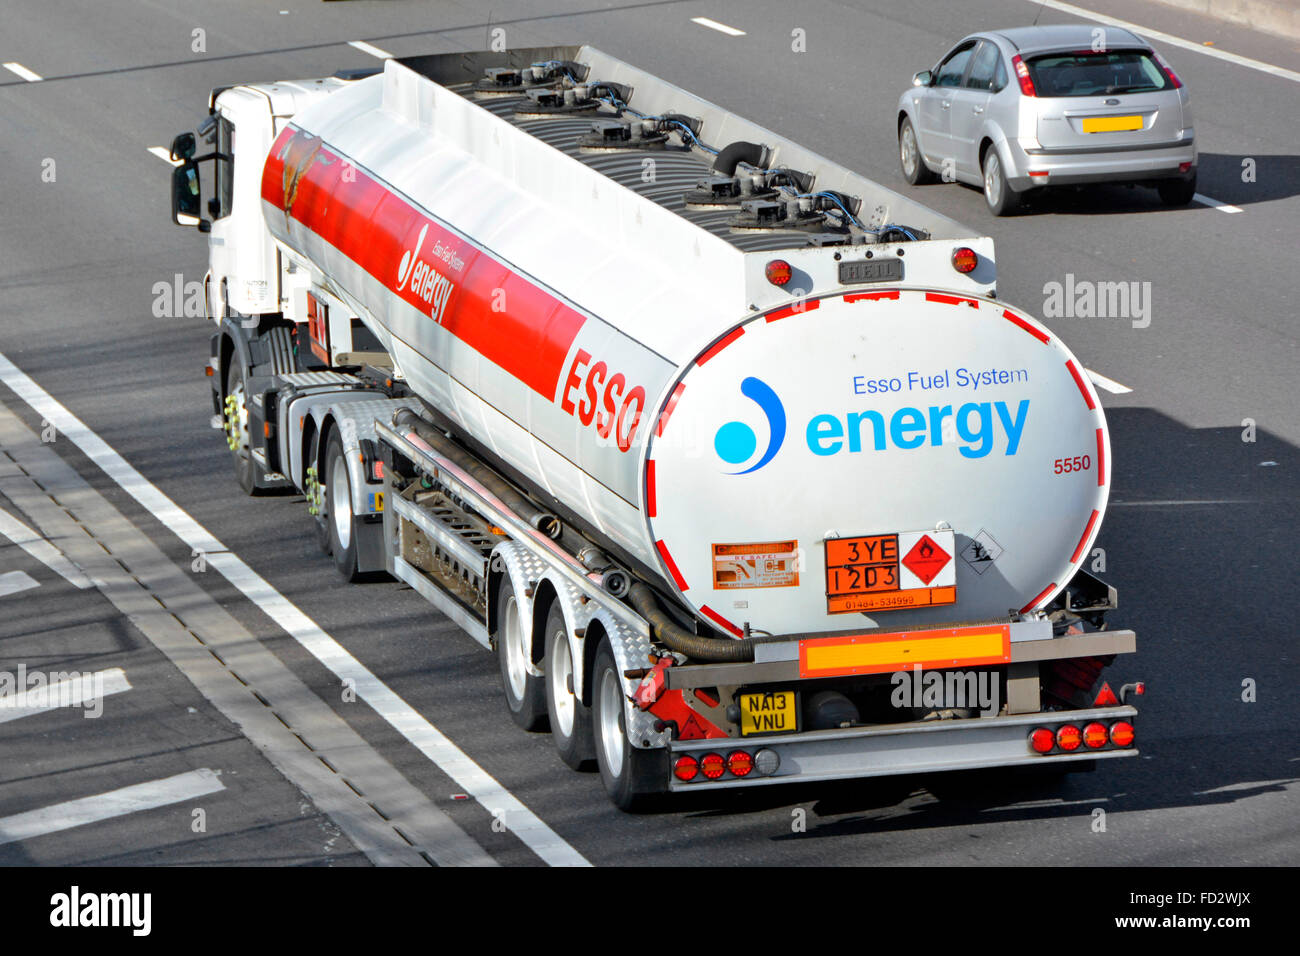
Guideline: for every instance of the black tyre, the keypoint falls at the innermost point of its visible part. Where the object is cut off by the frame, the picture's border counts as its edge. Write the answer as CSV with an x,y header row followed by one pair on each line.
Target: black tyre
x,y
525,694
1001,198
569,717
238,435
337,510
910,160
635,779
1177,192
314,488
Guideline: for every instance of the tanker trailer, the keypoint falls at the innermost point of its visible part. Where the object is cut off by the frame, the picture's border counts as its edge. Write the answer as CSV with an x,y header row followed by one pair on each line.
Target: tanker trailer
x,y
730,454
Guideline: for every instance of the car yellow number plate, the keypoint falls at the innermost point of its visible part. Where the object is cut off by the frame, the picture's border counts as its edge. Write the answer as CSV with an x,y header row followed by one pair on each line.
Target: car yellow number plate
x,y
1111,124
771,713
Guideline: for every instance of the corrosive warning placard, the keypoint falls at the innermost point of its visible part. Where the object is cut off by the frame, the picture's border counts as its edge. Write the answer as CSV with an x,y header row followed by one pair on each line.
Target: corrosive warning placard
x,y
883,572
769,564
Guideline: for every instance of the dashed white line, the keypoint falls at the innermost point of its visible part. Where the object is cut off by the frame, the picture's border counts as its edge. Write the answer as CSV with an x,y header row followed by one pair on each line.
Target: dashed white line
x,y
72,691
1172,40
14,582
365,47
42,550
106,806
720,27
1109,384
165,155
1221,206
428,739
22,71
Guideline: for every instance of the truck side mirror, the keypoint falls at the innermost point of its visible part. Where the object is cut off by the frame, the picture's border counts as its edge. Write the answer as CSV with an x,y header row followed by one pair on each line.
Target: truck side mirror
x,y
922,79
186,198
183,147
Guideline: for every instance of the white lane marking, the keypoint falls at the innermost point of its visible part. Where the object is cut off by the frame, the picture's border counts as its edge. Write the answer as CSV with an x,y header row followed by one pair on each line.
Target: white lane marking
x,y
1182,501
365,47
1248,785
22,71
16,581
165,155
42,550
720,27
1109,384
106,806
69,692
1221,206
1172,40
469,776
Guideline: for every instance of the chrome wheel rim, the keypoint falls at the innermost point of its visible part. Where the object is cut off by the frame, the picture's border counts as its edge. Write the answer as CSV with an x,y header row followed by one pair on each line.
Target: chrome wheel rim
x,y
993,180
908,150
516,671
559,670
341,503
611,727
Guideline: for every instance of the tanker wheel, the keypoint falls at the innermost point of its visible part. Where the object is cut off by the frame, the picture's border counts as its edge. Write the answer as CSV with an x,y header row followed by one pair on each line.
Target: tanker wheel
x,y
238,434
570,718
525,693
635,779
337,511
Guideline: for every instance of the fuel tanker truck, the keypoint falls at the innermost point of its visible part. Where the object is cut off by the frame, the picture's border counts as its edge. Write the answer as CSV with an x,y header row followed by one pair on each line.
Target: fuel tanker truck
x,y
731,455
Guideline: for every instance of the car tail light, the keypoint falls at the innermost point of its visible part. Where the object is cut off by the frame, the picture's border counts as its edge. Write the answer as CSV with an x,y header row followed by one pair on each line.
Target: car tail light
x,y
1121,733
778,272
964,259
1184,167
1042,740
1068,737
1169,70
740,763
1094,735
1022,74
686,768
713,766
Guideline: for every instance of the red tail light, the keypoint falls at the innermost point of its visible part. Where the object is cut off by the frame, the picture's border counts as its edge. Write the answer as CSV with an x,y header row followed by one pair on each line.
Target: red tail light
x,y
1022,74
778,272
1169,70
1094,735
1121,733
713,766
964,259
740,763
1042,740
1068,737
686,768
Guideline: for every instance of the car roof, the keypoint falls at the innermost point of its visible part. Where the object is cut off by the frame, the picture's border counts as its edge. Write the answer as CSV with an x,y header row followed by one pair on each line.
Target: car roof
x,y
1064,36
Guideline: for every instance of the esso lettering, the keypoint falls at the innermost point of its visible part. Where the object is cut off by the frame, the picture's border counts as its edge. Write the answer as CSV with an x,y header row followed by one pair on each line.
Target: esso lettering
x,y
595,397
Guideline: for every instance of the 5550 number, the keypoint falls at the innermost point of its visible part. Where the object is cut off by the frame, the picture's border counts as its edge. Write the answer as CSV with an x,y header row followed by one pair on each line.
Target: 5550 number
x,y
1063,466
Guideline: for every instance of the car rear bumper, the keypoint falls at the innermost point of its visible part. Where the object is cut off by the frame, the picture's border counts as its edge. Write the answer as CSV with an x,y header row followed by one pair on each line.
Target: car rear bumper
x,y
1098,166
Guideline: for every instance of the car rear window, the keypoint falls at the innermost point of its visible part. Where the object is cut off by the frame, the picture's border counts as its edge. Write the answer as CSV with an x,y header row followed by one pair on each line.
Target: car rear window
x,y
1096,74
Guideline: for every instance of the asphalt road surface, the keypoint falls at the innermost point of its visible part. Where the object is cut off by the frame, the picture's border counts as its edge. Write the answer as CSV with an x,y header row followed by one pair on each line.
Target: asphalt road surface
x,y
424,766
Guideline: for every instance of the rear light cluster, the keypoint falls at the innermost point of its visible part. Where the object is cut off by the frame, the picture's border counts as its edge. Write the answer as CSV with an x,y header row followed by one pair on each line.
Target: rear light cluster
x,y
1022,74
964,259
1169,70
714,766
1071,738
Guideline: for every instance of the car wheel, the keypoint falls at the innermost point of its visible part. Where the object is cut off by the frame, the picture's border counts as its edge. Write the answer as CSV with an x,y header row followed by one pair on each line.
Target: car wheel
x,y
1001,198
569,717
338,509
634,779
1177,192
525,694
909,156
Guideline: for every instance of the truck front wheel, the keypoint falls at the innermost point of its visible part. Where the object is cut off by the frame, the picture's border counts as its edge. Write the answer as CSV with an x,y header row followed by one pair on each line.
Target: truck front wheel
x,y
570,718
238,435
635,779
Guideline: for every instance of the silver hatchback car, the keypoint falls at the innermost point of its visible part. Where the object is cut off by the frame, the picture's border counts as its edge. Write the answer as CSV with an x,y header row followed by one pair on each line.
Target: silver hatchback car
x,y
1016,110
